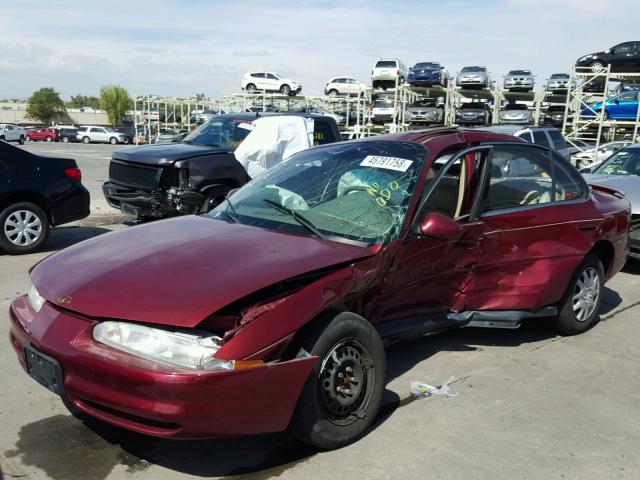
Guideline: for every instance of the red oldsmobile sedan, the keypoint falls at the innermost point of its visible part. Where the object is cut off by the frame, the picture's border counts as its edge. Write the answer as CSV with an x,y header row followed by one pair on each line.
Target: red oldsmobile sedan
x,y
270,312
43,134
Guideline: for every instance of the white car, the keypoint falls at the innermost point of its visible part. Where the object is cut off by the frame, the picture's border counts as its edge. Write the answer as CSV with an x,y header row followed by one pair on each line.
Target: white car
x,y
12,133
383,111
344,86
386,72
593,158
92,133
254,82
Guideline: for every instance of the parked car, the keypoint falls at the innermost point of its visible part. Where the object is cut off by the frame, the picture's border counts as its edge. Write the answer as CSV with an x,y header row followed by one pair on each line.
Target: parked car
x,y
36,193
593,157
623,106
425,111
384,110
522,80
339,119
44,134
128,134
624,57
474,77
67,134
427,74
559,82
547,137
554,115
10,132
192,176
515,113
621,171
269,82
346,86
387,73
95,134
194,346
474,113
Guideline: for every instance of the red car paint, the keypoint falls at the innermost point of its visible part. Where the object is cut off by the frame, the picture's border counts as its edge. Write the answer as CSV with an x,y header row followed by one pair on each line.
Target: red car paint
x,y
187,272
43,134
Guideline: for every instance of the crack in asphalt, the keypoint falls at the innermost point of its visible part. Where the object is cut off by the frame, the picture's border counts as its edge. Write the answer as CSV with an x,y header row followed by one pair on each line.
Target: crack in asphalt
x,y
628,307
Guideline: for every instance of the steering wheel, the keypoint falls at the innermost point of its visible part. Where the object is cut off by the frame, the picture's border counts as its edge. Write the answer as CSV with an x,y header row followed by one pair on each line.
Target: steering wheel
x,y
354,189
530,197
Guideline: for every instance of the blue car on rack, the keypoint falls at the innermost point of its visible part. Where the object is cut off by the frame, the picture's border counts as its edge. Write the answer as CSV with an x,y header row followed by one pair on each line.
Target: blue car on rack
x,y
623,106
427,74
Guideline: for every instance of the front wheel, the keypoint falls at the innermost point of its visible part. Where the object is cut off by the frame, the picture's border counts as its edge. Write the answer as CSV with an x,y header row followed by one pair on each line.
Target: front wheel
x,y
342,395
21,140
581,303
333,92
49,139
285,90
113,140
597,66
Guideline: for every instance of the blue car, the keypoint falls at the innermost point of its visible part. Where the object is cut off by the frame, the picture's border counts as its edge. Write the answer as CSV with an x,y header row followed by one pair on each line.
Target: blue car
x,y
623,106
427,74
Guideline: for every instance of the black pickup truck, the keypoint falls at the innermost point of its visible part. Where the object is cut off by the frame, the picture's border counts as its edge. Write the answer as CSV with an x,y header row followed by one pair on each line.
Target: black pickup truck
x,y
192,176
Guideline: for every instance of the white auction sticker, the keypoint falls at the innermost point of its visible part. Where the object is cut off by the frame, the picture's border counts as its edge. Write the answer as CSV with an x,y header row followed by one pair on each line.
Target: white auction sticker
x,y
389,163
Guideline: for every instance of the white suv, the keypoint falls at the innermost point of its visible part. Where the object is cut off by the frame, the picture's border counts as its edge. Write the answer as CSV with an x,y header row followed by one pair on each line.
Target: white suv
x,y
386,71
343,86
269,82
91,133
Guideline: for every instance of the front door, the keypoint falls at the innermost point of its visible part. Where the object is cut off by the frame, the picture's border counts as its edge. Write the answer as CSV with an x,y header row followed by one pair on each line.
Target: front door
x,y
622,56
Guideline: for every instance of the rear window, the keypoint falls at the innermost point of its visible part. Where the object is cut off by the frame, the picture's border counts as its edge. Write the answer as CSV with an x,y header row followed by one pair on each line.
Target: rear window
x,y
427,102
386,64
322,132
515,106
557,139
383,104
429,65
540,138
472,106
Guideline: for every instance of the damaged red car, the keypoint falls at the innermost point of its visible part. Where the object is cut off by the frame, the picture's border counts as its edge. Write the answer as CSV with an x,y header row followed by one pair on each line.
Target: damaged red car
x,y
271,312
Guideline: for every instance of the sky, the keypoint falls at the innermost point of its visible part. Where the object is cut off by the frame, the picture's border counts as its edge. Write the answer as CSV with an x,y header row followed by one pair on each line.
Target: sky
x,y
180,48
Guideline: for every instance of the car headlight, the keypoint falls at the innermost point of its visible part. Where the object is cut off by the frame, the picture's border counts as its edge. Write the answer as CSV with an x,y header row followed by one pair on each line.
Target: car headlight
x,y
35,300
177,349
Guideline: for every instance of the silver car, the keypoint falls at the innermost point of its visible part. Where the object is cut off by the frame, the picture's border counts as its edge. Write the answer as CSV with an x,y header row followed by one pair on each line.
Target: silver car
x,y
622,172
516,113
519,80
475,76
424,111
559,82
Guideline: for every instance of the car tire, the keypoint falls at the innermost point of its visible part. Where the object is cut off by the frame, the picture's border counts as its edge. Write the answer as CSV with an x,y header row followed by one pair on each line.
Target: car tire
x,y
285,89
86,140
21,243
597,66
49,139
605,115
586,286
216,196
65,139
21,140
113,141
250,88
333,92
334,410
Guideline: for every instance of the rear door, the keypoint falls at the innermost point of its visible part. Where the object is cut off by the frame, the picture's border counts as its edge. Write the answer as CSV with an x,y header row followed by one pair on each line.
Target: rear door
x,y
622,56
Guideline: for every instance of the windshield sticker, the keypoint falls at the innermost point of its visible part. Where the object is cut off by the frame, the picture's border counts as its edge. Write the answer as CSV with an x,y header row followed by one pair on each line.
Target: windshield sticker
x,y
382,195
388,163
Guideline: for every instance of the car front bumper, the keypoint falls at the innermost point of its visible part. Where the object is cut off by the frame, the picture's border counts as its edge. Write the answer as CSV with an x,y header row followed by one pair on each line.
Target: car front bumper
x,y
150,398
472,121
521,85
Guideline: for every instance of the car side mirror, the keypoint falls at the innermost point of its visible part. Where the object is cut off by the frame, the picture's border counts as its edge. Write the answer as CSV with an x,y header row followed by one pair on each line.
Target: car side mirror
x,y
437,225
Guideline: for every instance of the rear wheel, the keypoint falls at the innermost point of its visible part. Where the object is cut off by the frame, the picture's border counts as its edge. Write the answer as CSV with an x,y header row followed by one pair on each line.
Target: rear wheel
x,y
49,139
285,89
113,140
250,88
65,139
86,139
333,92
24,227
581,303
342,395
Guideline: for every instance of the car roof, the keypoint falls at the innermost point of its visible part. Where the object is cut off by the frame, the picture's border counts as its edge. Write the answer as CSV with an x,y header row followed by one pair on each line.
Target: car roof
x,y
254,115
422,136
512,129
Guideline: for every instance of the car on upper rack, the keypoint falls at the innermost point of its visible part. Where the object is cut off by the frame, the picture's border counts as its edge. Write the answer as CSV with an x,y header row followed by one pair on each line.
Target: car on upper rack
x,y
428,74
97,134
515,113
519,80
387,73
554,115
36,193
624,57
345,86
475,76
559,83
195,174
344,247
43,134
592,157
623,106
254,82
425,111
621,171
384,110
474,113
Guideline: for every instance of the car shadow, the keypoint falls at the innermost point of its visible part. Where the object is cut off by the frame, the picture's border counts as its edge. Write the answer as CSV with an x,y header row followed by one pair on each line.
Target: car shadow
x,y
632,267
63,237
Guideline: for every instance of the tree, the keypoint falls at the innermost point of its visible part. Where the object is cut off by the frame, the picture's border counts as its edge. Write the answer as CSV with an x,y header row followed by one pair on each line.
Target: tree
x,y
116,101
45,105
81,101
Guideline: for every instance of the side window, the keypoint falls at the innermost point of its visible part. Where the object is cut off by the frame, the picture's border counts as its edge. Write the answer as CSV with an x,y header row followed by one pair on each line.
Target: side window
x,y
624,48
540,138
517,177
102,130
567,186
628,97
9,127
92,130
526,136
322,132
271,76
557,139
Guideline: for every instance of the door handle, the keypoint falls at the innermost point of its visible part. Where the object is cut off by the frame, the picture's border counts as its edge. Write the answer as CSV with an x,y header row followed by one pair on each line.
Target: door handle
x,y
587,227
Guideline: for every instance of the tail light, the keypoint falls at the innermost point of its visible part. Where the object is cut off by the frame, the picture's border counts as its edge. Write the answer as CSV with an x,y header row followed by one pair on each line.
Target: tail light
x,y
74,173
398,72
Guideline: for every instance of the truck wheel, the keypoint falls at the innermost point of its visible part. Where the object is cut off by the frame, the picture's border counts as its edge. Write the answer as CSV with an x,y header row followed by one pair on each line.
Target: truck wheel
x,y
113,140
216,196
342,395
581,303
86,139
24,227
21,141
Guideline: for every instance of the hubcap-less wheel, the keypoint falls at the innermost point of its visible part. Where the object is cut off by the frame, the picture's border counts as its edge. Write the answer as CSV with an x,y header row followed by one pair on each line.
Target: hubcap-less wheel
x,y
586,294
346,381
597,67
23,228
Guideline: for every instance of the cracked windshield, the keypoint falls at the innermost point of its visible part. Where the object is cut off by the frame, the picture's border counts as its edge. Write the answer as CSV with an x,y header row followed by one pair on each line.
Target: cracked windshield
x,y
356,192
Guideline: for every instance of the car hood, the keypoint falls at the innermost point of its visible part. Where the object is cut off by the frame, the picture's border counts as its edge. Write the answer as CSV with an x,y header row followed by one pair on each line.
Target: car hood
x,y
421,109
179,271
627,184
164,154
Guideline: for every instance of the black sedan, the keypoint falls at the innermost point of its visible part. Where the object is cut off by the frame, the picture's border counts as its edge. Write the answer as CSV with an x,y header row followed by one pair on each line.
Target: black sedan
x,y
36,193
